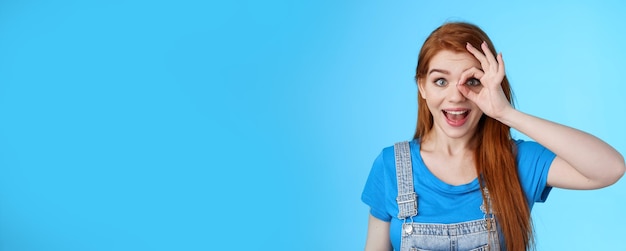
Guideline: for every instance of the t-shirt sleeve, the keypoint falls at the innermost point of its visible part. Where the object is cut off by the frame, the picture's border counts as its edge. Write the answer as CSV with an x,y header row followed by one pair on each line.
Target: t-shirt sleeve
x,y
534,161
375,190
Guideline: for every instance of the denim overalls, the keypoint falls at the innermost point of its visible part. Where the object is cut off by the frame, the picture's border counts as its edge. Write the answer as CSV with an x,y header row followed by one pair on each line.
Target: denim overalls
x,y
476,235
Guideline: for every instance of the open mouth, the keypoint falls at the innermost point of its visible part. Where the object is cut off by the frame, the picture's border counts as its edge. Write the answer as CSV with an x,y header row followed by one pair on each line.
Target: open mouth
x,y
456,117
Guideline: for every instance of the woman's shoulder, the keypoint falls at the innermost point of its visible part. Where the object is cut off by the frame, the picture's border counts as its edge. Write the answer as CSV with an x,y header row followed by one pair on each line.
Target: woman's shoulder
x,y
526,150
527,146
387,155
389,151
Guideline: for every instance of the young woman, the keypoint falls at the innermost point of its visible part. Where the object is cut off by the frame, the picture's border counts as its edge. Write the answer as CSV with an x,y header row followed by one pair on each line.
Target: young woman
x,y
463,183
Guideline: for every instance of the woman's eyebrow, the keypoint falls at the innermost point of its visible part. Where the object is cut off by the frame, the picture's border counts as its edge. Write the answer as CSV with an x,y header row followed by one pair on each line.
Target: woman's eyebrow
x,y
438,70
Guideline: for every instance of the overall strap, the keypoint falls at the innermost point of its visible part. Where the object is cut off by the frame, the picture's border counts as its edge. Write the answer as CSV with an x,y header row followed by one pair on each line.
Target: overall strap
x,y
407,199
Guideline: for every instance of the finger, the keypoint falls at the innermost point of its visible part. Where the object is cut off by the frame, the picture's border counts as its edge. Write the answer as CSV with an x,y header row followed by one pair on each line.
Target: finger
x,y
500,63
470,73
490,57
478,55
467,93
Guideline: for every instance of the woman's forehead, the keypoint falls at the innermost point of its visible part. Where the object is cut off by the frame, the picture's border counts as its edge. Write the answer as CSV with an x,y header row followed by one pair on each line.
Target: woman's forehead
x,y
452,62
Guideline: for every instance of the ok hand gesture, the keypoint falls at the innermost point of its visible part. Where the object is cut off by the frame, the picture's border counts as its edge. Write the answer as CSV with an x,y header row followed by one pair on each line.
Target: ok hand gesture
x,y
489,97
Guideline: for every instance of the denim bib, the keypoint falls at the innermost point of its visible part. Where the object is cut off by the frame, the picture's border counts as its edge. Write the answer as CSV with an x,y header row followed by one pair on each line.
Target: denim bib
x,y
476,235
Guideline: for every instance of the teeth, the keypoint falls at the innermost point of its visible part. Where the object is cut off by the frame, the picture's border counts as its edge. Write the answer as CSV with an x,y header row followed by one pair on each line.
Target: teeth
x,y
456,112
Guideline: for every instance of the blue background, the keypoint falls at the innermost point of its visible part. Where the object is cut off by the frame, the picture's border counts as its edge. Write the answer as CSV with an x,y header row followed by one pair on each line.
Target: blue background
x,y
252,125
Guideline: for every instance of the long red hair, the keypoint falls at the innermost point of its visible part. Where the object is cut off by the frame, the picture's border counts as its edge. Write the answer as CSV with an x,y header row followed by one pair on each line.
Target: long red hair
x,y
494,153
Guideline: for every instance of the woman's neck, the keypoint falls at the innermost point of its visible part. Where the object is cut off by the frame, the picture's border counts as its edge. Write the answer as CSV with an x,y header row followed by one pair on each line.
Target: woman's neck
x,y
449,146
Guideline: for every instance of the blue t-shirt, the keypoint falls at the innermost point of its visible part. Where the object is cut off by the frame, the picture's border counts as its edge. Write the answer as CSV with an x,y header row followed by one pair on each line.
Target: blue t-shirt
x,y
439,202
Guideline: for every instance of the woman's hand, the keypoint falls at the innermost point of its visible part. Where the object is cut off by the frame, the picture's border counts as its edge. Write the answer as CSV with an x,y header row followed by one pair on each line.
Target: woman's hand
x,y
488,96
583,161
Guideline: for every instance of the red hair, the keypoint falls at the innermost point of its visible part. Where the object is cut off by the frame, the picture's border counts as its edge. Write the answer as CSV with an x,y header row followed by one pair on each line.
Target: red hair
x,y
494,148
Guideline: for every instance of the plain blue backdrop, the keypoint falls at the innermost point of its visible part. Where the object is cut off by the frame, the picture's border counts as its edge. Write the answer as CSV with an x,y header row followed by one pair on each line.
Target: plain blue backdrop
x,y
252,125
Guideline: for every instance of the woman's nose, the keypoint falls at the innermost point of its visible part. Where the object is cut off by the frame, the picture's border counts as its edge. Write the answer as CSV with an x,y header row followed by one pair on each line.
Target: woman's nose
x,y
454,95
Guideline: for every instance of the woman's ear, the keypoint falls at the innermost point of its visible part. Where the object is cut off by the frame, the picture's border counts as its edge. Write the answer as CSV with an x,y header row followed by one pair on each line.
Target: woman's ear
x,y
420,88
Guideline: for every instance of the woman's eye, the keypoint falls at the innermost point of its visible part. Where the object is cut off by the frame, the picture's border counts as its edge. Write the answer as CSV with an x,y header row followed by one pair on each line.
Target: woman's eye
x,y
472,82
440,82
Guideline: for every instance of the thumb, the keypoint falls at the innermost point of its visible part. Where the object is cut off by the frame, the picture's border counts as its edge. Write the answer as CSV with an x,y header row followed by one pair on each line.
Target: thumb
x,y
467,93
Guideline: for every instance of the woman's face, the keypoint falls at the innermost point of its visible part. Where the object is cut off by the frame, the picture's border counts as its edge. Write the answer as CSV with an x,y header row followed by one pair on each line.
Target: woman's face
x,y
453,115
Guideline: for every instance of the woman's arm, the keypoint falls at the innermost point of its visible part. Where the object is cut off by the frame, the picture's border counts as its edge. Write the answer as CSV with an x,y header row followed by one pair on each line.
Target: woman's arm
x,y
583,161
377,235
